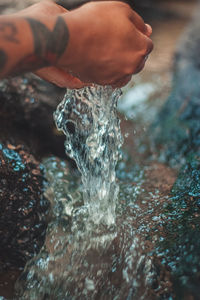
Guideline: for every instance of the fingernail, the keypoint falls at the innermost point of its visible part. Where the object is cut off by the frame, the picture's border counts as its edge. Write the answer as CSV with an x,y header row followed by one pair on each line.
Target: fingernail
x,y
148,30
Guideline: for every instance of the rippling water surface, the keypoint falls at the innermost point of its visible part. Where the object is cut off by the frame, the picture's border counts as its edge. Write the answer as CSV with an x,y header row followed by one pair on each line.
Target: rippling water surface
x,y
92,248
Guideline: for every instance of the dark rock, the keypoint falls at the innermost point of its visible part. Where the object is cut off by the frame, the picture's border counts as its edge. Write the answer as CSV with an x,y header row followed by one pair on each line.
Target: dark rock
x,y
180,246
176,135
27,133
22,206
26,111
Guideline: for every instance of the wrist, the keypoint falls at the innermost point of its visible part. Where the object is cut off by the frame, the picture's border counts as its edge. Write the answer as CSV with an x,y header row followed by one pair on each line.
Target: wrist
x,y
72,53
50,38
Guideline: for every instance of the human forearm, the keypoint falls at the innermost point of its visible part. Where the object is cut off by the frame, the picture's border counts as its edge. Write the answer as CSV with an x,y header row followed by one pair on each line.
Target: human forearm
x,y
16,45
100,42
27,44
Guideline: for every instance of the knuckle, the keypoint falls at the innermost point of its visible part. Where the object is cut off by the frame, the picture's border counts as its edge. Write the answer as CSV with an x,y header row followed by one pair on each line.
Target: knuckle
x,y
123,5
149,46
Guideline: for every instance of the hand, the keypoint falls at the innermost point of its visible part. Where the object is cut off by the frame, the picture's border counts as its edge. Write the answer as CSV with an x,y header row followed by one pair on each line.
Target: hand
x,y
108,43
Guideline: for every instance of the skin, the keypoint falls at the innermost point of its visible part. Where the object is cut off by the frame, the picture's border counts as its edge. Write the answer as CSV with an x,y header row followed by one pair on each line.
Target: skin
x,y
100,42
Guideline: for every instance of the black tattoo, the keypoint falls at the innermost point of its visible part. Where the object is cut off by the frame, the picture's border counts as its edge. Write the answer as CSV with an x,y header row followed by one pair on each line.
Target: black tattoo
x,y
3,59
8,31
49,45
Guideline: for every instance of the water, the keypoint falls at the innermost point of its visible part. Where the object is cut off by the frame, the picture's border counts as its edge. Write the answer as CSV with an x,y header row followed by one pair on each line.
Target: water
x,y
93,138
111,263
92,248
129,251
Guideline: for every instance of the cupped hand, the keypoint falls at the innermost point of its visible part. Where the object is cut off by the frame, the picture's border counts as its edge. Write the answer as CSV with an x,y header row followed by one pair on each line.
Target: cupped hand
x,y
108,43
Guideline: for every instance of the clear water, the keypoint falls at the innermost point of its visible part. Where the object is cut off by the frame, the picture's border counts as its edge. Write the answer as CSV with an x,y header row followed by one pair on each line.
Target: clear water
x,y
93,138
97,244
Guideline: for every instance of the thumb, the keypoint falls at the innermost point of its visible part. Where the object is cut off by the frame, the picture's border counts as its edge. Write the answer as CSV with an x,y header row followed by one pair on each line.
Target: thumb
x,y
60,78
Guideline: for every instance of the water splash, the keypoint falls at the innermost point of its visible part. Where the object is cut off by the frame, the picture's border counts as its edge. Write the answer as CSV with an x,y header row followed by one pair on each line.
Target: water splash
x,y
88,254
93,138
84,266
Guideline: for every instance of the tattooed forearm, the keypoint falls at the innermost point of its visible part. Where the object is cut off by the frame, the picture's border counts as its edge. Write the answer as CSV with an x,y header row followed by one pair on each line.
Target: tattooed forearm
x,y
8,31
27,44
49,45
3,59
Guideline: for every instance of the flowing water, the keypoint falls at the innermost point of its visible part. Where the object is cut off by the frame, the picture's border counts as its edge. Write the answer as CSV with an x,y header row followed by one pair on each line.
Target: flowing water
x,y
92,248
93,138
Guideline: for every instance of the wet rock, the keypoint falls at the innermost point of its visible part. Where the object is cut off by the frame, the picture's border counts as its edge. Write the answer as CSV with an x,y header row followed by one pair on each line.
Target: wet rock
x,y
26,111
23,208
180,243
7,281
27,133
176,135
70,265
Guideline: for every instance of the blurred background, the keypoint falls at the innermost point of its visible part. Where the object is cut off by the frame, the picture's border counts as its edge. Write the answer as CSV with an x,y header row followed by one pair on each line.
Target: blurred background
x,y
170,79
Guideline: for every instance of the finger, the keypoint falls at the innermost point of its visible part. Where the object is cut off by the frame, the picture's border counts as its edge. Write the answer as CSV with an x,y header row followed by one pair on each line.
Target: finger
x,y
140,67
149,30
138,22
149,47
60,78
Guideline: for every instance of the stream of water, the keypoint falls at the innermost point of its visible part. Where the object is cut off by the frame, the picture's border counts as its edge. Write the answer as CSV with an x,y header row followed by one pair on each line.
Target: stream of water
x,y
93,138
94,247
